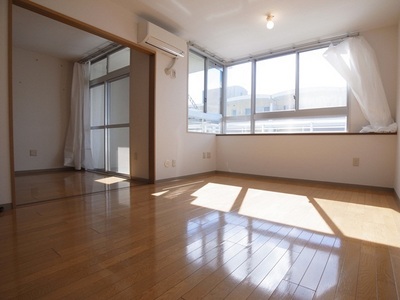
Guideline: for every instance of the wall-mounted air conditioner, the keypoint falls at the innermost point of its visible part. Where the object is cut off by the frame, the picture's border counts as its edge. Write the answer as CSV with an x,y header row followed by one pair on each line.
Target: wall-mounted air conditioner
x,y
158,38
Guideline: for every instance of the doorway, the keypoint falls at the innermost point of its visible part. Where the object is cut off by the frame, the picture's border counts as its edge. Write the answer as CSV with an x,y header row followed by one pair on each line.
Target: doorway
x,y
133,157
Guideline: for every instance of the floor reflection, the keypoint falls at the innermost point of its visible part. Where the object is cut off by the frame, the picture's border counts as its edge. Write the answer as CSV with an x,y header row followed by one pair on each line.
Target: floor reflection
x,y
169,240
56,185
359,217
261,255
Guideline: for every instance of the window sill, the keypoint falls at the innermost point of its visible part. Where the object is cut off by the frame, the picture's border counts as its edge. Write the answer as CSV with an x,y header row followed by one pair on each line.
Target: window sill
x,y
308,134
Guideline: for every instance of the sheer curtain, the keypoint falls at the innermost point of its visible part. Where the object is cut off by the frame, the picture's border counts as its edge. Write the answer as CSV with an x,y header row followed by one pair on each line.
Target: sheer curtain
x,y
355,60
77,150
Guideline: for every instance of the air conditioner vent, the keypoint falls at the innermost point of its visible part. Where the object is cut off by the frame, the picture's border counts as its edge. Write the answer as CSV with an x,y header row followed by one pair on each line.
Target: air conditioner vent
x,y
158,38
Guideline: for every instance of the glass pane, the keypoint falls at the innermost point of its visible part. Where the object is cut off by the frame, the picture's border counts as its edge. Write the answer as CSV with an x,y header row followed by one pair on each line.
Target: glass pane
x,y
119,59
119,101
98,69
97,144
97,105
214,88
237,127
320,84
119,150
202,122
275,84
299,125
196,83
238,91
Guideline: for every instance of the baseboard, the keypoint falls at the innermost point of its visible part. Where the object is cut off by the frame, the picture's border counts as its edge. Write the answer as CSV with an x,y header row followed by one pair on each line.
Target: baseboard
x,y
140,179
397,198
305,181
186,177
291,180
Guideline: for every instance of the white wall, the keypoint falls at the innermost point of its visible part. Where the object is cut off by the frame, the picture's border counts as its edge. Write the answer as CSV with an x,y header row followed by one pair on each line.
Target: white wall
x,y
41,109
102,14
397,166
312,157
326,158
172,140
5,163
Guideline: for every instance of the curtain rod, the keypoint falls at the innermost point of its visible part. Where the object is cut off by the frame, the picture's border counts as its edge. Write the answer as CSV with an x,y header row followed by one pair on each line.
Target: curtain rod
x,y
319,42
205,52
99,53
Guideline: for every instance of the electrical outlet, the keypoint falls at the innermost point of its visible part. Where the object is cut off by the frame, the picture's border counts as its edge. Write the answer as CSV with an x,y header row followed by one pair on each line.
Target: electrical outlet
x,y
167,163
356,161
173,163
33,152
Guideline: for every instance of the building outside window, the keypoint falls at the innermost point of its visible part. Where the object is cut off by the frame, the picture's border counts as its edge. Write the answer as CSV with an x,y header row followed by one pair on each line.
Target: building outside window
x,y
204,108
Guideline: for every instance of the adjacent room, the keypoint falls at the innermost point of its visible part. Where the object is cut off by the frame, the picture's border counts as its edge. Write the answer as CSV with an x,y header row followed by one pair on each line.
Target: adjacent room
x,y
204,150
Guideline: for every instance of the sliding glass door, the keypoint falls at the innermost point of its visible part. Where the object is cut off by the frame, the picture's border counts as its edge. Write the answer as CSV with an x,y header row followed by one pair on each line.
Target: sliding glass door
x,y
109,101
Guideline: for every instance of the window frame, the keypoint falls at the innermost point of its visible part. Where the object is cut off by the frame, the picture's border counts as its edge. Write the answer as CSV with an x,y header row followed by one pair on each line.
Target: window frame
x,y
289,114
207,65
106,80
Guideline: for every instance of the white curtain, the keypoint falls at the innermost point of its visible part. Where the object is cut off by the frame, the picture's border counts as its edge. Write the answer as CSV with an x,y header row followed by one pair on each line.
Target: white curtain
x,y
77,151
355,60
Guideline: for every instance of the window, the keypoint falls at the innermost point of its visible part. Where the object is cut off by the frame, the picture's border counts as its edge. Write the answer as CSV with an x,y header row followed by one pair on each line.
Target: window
x,y
294,93
109,111
238,98
238,90
289,93
276,84
320,86
204,108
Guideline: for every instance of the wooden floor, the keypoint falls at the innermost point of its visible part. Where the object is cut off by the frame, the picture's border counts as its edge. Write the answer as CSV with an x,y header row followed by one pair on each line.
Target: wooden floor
x,y
208,237
44,186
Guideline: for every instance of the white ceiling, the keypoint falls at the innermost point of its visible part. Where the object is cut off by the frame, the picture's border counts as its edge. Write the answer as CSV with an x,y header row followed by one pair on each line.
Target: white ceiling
x,y
235,29
41,34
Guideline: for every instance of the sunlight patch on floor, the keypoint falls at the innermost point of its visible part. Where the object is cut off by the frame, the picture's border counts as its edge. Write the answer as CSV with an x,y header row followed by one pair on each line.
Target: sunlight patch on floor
x,y
160,193
110,180
216,196
288,209
359,221
364,222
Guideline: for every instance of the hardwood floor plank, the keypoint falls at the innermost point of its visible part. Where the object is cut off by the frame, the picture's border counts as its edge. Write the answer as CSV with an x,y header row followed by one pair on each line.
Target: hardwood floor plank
x,y
284,291
278,239
367,273
239,274
347,286
272,280
386,287
179,288
395,261
314,271
299,267
330,277
303,293
209,283
255,277
175,267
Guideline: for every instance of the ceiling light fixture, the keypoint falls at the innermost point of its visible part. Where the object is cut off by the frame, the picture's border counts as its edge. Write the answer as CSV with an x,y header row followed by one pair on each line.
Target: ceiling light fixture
x,y
270,23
